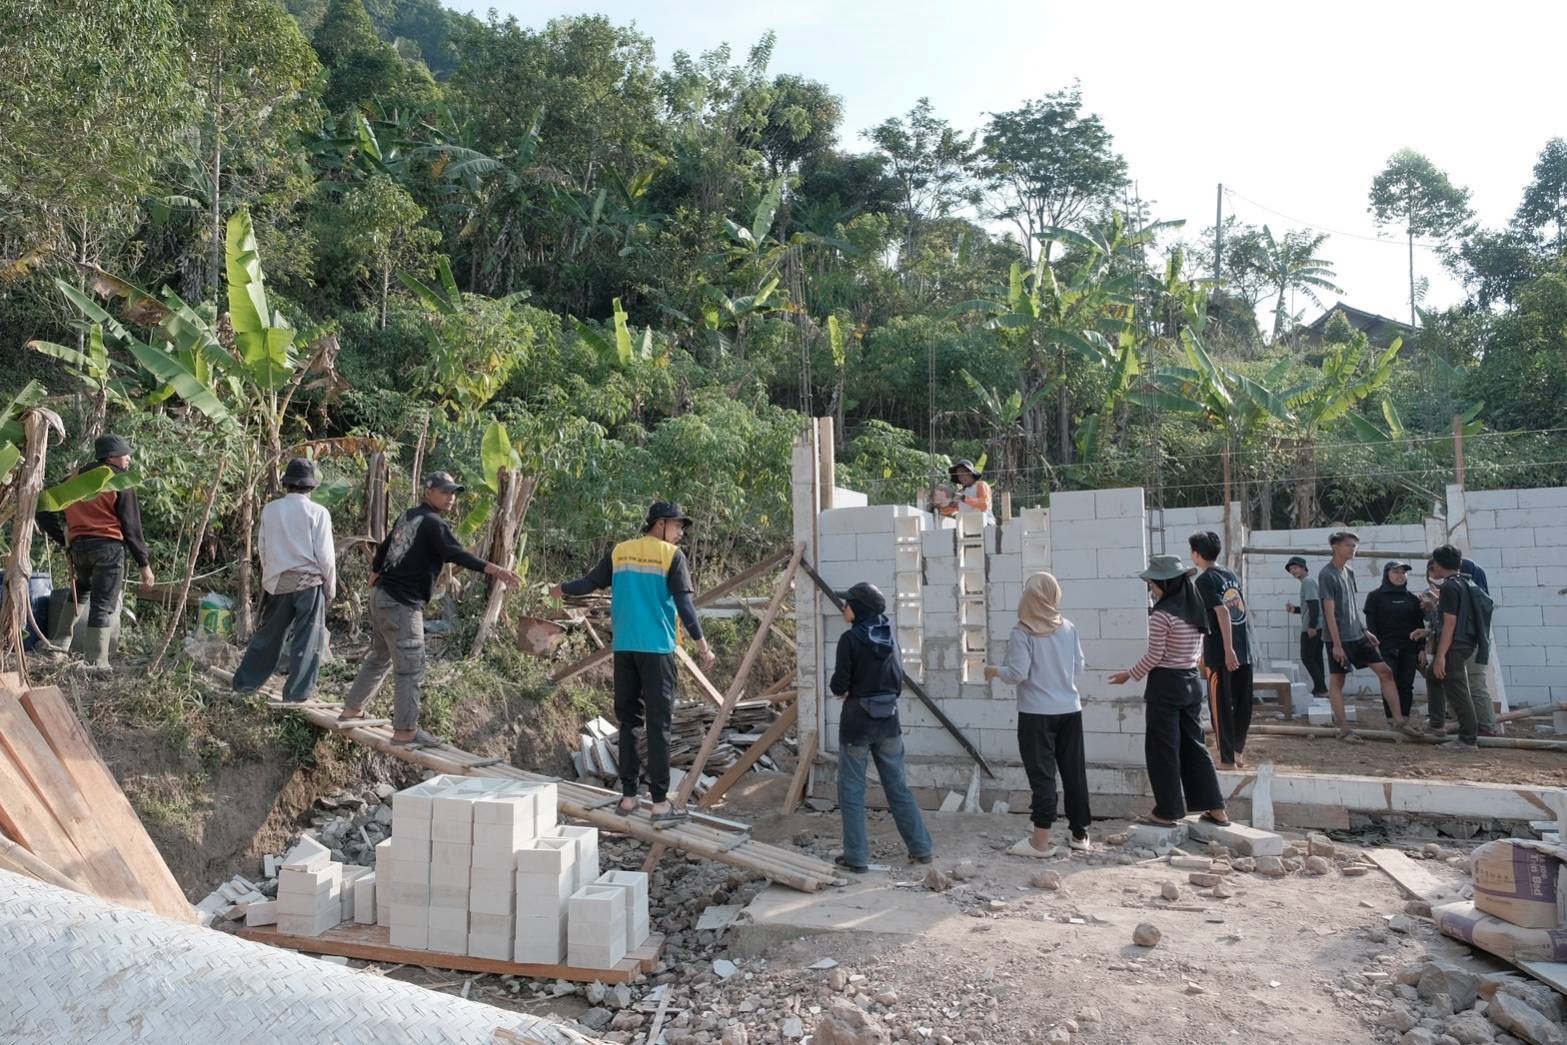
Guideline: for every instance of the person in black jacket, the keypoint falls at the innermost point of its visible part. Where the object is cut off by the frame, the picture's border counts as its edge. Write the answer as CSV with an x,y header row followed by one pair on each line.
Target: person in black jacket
x,y
1394,615
868,675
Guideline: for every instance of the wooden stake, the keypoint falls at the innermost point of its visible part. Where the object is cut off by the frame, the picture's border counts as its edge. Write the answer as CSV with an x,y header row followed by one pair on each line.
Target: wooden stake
x,y
703,683
802,772
175,618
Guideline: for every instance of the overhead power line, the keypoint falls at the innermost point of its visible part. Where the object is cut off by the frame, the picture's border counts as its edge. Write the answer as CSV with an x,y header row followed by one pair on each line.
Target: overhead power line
x,y
1319,226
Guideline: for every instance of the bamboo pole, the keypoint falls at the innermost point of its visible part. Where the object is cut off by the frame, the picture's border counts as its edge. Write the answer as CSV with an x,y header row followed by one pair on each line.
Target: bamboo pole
x,y
1519,743
1536,711
190,568
1364,553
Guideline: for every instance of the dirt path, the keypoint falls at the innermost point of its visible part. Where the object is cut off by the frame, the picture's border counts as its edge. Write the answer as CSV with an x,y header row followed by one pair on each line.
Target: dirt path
x,y
1487,765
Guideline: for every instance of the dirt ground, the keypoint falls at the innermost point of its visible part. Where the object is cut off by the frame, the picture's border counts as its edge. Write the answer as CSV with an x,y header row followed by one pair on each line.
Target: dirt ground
x,y
1406,759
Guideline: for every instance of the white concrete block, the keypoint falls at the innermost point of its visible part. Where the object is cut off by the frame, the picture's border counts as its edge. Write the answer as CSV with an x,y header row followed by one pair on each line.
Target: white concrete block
x,y
586,858
364,900
308,925
413,894
452,896
635,885
451,854
307,855
495,948
448,941
1070,505
856,520
410,937
410,871
837,547
263,913
450,831
449,875
383,851
540,941
1124,503
415,916
503,810
588,956
410,832
351,879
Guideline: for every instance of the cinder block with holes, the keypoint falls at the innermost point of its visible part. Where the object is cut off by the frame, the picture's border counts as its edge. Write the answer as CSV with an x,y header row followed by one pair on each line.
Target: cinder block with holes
x,y
586,858
635,884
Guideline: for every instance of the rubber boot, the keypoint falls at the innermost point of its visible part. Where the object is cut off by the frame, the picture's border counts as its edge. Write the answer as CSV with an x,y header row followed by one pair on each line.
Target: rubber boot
x,y
95,650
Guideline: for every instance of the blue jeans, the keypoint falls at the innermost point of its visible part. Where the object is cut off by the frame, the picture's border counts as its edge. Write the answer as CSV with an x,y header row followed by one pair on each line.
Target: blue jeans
x,y
852,759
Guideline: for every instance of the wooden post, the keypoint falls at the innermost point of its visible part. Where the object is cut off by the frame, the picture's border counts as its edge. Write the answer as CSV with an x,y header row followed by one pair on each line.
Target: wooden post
x,y
1458,450
732,697
802,773
511,508
19,563
1229,553
827,461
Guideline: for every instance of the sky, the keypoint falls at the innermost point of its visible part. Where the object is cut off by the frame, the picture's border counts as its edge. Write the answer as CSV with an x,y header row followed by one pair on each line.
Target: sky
x,y
1293,108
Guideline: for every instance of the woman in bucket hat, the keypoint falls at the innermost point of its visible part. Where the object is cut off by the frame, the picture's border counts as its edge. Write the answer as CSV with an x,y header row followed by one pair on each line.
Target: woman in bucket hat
x,y
1179,769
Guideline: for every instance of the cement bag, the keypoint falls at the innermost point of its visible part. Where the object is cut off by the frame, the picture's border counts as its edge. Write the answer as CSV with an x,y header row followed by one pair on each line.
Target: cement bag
x,y
215,617
1521,881
1515,943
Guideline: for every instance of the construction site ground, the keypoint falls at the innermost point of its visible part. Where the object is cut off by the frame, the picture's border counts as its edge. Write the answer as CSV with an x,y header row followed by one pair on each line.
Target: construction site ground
x,y
996,958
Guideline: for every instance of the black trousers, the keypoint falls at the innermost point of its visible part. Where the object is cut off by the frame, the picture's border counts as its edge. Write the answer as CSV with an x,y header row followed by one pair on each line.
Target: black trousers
x,y
644,697
1311,656
100,574
1404,661
302,611
1049,744
1179,769
1229,706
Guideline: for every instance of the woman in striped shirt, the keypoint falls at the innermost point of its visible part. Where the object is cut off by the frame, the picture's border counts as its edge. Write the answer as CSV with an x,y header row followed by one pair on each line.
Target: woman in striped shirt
x,y
1179,769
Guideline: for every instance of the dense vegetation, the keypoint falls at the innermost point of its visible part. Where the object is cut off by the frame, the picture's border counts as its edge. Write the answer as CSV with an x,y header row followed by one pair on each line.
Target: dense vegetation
x,y
648,273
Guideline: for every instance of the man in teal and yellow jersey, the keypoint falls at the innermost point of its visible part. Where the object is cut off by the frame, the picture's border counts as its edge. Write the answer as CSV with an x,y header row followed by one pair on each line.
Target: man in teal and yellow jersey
x,y
650,587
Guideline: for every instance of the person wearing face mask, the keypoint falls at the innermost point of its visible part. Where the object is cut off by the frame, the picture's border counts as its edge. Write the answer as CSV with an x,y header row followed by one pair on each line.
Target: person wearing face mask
x,y
1394,615
868,677
1180,770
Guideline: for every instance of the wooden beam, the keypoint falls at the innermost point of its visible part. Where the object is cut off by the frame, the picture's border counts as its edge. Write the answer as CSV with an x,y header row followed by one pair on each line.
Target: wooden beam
x,y
1411,877
802,773
17,859
751,756
703,683
914,687
71,745
739,580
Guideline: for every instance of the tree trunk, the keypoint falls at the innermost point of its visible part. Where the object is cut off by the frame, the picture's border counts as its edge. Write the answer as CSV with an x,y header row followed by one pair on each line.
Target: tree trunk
x,y
386,288
1412,277
511,508
244,619
1303,485
215,248
1064,418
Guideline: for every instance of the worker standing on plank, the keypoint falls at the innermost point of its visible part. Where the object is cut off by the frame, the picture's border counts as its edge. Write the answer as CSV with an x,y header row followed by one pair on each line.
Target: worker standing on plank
x,y
402,579
97,533
650,586
299,579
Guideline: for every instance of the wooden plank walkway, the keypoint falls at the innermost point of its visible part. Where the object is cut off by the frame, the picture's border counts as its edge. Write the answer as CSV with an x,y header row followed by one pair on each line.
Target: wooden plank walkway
x,y
703,835
373,943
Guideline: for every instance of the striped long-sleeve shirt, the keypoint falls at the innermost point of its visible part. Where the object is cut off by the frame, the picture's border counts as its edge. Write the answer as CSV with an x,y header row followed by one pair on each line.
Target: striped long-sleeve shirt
x,y
1172,643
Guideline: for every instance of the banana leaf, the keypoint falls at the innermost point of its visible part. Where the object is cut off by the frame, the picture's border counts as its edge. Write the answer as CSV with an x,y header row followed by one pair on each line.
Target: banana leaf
x,y
186,385
86,484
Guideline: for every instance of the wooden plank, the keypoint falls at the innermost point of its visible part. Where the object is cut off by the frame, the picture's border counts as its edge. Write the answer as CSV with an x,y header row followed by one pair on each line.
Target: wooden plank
x,y
1410,876
48,710
743,764
101,867
703,684
28,821
373,943
802,773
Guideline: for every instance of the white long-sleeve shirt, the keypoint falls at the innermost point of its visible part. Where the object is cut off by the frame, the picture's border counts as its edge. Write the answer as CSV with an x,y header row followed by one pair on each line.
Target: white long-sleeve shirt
x,y
296,534
1044,668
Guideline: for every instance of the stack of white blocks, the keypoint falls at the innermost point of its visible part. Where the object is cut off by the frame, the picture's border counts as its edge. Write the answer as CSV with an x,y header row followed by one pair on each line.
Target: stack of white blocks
x,y
480,866
309,890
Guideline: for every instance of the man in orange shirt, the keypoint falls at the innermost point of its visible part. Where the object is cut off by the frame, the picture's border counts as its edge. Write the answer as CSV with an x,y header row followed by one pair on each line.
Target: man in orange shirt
x,y
97,533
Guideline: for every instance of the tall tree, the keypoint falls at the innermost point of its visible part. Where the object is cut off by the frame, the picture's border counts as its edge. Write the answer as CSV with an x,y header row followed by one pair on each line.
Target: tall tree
x,y
1046,164
802,121
1542,216
1415,192
929,160
254,74
1293,266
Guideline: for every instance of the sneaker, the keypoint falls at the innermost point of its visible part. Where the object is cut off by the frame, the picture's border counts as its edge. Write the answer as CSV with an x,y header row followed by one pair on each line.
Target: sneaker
x,y
927,858
856,868
1082,845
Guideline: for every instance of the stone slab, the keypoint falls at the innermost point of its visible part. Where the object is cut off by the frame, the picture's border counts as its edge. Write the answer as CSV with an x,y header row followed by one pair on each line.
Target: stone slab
x,y
1248,841
875,906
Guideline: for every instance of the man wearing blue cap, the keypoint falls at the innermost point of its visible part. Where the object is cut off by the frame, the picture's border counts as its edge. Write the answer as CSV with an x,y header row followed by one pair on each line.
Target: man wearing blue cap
x,y
650,586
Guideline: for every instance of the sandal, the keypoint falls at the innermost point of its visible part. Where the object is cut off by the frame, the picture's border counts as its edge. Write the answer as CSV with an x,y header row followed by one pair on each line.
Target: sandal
x,y
1210,818
419,739
1024,847
670,818
1149,820
1349,736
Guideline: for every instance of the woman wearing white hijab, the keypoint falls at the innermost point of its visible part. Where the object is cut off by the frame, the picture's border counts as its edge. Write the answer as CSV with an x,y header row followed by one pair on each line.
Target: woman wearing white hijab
x,y
1044,660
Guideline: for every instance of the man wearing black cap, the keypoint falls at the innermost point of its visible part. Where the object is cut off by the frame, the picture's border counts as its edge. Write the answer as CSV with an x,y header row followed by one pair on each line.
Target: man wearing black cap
x,y
299,579
98,532
650,586
1310,610
402,579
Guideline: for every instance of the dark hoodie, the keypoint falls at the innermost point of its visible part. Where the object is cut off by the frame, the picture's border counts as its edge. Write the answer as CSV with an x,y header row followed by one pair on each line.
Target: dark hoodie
x,y
1182,601
869,673
1392,613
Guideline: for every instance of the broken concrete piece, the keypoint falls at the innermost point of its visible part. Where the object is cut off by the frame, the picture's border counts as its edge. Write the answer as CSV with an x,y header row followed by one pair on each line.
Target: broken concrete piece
x,y
264,913
1317,865
1270,866
1170,891
1203,880
1248,841
1152,836
1047,880
1191,863
951,803
308,855
1459,984
1519,1018
723,968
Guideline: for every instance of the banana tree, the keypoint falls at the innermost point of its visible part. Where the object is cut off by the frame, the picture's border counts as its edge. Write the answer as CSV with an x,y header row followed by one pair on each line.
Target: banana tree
x,y
1399,445
92,367
1002,416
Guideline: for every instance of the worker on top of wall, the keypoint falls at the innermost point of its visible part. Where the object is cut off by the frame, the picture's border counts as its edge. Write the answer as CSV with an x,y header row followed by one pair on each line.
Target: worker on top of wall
x,y
973,491
97,533
650,587
1310,610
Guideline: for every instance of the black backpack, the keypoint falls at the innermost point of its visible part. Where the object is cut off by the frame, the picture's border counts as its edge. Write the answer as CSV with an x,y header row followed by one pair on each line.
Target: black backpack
x,y
1475,608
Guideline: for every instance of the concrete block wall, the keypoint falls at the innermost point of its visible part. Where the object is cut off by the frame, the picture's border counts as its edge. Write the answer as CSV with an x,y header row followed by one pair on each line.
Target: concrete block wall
x,y
1519,537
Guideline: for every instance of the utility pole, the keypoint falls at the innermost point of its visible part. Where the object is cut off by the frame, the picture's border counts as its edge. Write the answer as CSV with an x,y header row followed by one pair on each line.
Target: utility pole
x,y
1218,232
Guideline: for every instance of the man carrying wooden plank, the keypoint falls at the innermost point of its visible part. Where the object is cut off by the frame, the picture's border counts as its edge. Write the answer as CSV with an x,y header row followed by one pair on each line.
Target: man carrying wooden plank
x,y
650,585
97,533
402,579
299,577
